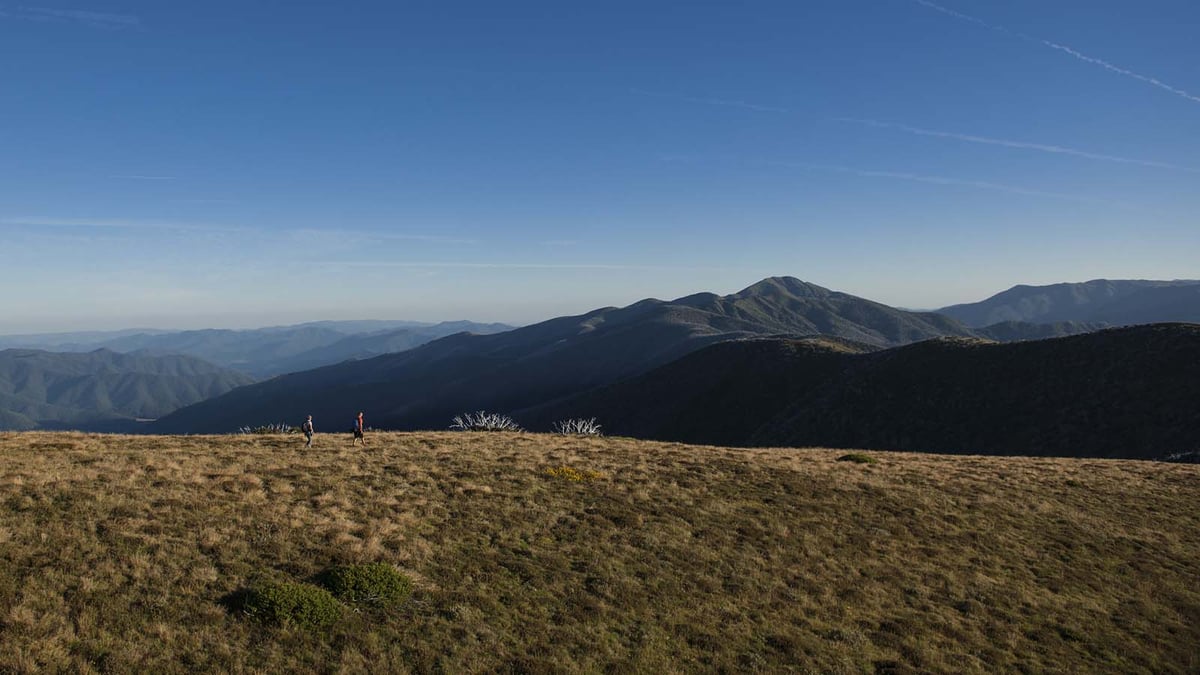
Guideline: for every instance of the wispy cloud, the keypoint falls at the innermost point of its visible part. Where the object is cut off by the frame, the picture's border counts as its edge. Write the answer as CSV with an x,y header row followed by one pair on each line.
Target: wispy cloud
x,y
58,237
734,104
1062,48
118,224
96,19
725,102
422,264
941,180
174,226
1023,145
383,236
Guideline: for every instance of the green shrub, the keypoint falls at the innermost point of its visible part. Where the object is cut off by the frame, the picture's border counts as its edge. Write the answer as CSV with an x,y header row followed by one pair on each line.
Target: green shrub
x,y
372,583
858,458
290,604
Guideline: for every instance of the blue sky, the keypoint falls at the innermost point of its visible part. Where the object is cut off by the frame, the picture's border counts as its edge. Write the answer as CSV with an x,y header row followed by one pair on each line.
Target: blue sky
x,y
251,163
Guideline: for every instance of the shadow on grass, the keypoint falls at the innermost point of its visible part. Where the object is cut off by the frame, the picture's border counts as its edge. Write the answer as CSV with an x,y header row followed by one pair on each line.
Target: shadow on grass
x,y
235,602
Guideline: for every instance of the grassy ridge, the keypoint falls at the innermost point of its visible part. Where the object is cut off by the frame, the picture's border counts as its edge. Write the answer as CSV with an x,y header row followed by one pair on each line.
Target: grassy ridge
x,y
116,553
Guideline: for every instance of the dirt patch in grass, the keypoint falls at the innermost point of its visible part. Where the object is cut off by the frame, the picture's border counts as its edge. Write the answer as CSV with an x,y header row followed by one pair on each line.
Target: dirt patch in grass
x,y
119,554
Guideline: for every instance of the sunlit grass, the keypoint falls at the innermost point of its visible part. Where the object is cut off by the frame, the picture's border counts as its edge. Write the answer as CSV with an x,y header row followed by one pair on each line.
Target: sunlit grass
x,y
572,474
121,554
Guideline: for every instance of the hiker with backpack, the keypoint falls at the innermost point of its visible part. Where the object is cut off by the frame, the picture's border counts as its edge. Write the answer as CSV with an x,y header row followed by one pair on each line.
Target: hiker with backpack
x,y
308,430
359,427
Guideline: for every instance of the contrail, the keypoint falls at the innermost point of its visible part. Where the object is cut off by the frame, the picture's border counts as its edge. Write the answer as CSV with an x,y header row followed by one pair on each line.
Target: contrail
x,y
1121,71
941,180
959,15
1062,48
1056,149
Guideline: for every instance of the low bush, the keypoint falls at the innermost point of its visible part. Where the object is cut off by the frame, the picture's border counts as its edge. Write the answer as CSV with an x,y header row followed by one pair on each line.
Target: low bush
x,y
291,604
577,427
484,421
858,458
372,583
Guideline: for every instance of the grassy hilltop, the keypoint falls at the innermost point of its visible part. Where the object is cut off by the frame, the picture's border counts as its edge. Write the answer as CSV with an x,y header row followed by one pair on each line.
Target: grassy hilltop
x,y
124,554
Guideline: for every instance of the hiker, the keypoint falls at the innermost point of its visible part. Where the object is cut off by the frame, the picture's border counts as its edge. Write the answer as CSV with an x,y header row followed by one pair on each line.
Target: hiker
x,y
308,430
359,427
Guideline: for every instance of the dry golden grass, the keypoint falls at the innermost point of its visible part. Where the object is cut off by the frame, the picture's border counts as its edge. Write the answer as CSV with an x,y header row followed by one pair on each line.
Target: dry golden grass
x,y
116,554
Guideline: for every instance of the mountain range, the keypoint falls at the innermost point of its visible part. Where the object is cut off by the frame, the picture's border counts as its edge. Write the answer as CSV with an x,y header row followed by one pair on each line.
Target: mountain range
x,y
1103,301
779,345
426,386
1122,392
264,352
102,389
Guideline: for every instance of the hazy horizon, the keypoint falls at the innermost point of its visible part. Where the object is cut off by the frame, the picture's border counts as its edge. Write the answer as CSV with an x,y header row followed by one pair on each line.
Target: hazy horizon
x,y
238,165
263,321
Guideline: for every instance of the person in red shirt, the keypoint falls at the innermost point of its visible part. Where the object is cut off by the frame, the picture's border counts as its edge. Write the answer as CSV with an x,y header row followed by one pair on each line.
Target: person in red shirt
x,y
359,427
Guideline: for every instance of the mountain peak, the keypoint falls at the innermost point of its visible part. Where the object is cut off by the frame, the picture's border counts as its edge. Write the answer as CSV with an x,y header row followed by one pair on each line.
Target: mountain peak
x,y
776,286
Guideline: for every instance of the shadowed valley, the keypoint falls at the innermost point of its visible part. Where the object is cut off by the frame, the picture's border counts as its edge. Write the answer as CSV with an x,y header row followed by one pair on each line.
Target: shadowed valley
x,y
1128,392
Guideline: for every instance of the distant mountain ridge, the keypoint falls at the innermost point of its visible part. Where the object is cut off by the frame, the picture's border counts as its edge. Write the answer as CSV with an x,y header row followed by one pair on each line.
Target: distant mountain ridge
x,y
264,352
102,389
426,386
1128,392
1110,302
1016,331
410,377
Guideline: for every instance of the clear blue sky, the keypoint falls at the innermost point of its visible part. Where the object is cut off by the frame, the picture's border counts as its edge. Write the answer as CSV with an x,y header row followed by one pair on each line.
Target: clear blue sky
x,y
249,163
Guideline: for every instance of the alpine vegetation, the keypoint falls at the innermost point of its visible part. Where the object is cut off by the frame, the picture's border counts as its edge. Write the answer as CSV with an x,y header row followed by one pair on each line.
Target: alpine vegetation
x,y
527,552
484,421
280,428
377,584
291,604
577,426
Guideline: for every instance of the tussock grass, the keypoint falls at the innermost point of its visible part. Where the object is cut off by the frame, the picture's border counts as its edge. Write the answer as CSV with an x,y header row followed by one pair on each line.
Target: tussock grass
x,y
572,474
118,554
